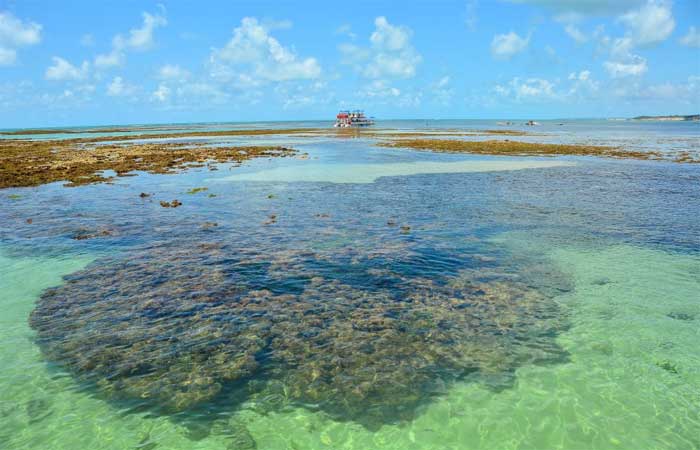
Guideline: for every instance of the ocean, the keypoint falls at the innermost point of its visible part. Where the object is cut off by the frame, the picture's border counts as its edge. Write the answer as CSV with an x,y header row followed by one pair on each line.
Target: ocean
x,y
360,297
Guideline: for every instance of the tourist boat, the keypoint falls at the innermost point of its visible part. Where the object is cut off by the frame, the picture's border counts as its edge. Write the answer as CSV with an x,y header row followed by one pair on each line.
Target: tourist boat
x,y
354,118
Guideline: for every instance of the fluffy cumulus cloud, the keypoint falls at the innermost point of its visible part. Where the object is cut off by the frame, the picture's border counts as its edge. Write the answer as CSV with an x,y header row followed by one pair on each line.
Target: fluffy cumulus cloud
x,y
138,39
505,46
634,67
253,54
141,38
582,83
62,70
16,33
650,24
622,62
119,88
527,89
578,86
692,38
394,56
390,55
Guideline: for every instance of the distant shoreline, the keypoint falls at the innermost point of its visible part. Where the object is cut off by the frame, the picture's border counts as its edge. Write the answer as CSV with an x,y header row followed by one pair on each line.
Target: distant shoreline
x,y
678,118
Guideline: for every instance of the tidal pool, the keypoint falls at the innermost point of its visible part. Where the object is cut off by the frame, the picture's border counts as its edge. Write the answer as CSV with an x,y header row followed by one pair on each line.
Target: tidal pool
x,y
426,301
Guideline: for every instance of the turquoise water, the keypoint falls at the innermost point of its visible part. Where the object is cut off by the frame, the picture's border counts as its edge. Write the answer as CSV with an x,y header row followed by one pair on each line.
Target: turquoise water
x,y
358,298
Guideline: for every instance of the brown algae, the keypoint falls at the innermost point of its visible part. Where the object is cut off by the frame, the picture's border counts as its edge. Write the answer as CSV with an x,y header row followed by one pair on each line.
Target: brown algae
x,y
32,163
518,148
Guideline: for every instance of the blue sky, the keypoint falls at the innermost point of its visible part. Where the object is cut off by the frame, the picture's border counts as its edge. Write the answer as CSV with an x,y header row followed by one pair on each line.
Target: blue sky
x,y
86,62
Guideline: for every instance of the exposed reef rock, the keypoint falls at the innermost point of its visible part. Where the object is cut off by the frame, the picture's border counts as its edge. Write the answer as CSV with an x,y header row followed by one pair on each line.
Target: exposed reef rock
x,y
32,163
518,148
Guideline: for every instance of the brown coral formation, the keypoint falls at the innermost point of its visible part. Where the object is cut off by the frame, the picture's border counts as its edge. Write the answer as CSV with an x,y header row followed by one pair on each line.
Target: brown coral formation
x,y
517,148
31,163
178,328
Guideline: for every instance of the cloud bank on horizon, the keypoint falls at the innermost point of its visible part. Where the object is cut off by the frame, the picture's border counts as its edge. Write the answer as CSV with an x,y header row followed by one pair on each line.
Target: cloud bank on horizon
x,y
110,63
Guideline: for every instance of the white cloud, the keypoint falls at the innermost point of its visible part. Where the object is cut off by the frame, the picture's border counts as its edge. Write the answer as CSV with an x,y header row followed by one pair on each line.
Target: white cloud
x,y
304,94
138,39
8,56
114,58
441,92
253,47
650,24
394,56
505,46
190,96
579,86
119,88
62,70
575,33
623,63
345,30
687,92
379,89
381,92
634,67
527,89
584,75
15,33
583,83
173,72
692,39
353,54
141,38
162,94
390,54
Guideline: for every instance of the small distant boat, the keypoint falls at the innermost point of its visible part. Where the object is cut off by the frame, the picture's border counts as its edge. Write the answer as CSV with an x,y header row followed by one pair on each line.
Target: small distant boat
x,y
531,123
356,118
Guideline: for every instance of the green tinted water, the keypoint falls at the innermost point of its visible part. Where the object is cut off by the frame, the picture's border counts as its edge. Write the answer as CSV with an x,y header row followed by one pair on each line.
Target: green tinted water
x,y
632,380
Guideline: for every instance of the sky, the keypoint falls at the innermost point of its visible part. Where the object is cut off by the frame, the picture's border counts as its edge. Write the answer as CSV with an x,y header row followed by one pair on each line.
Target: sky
x,y
126,62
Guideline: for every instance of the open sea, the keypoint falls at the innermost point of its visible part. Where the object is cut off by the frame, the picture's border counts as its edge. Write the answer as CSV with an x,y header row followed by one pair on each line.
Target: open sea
x,y
360,297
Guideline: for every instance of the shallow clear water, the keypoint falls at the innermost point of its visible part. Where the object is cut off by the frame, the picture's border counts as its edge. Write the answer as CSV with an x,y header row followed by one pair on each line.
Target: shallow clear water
x,y
389,299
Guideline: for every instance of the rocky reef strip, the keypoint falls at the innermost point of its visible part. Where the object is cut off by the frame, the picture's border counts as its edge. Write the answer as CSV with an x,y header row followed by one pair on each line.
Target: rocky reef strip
x,y
518,148
32,163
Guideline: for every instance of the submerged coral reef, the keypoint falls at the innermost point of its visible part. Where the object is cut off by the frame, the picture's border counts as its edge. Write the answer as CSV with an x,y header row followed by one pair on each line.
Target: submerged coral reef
x,y
180,327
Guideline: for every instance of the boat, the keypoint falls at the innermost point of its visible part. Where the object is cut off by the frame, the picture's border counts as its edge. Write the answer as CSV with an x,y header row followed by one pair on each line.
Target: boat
x,y
355,118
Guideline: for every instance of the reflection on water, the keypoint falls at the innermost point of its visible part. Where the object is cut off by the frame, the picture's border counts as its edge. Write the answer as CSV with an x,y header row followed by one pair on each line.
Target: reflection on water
x,y
424,301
